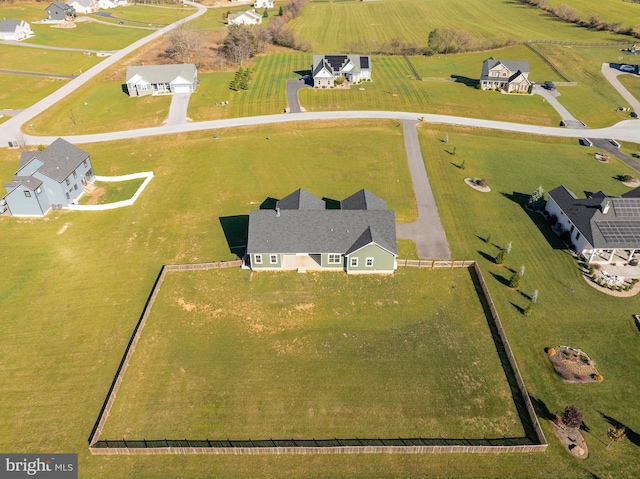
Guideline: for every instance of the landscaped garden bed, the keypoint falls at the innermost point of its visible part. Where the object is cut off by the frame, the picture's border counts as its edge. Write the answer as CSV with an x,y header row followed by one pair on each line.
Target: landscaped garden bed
x,y
573,365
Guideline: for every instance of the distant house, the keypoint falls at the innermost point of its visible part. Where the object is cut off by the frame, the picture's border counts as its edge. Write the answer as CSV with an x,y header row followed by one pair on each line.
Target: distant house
x,y
301,233
250,17
509,75
263,4
59,11
600,226
107,4
84,6
161,79
327,68
52,178
15,30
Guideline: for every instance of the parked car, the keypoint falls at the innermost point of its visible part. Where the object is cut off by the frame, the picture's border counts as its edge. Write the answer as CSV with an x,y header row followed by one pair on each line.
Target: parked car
x,y
549,85
627,68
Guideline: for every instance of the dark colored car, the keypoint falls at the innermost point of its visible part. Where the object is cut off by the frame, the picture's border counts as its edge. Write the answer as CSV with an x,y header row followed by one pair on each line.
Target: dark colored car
x,y
549,85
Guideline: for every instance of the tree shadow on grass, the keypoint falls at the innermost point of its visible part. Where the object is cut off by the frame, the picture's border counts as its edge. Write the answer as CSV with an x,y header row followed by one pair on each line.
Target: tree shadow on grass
x,y
554,241
525,295
470,82
486,256
501,279
632,435
236,231
541,408
518,308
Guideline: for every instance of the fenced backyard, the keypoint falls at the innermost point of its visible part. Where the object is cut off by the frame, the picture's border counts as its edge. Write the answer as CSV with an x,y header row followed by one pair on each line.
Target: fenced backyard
x,y
532,441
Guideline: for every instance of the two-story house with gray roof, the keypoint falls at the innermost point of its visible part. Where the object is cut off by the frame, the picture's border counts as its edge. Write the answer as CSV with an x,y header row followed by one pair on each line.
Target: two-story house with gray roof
x,y
302,234
161,79
15,30
327,68
59,12
52,178
601,227
509,75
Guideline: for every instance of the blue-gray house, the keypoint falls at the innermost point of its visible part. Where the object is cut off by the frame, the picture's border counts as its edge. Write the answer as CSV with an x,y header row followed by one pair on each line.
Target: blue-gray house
x,y
52,178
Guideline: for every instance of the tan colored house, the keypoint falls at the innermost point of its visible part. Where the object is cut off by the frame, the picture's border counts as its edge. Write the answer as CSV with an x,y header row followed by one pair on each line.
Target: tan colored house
x,y
510,75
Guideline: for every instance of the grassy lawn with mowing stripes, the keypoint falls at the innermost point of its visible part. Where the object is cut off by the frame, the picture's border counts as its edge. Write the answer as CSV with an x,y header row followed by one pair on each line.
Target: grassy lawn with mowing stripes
x,y
46,61
92,36
22,91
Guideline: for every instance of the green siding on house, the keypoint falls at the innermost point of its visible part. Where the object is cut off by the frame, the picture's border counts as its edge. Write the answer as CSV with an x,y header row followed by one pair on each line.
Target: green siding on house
x,y
266,261
326,264
383,261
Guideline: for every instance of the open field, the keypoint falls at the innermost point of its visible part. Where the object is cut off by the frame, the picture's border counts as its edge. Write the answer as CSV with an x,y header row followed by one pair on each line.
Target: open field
x,y
631,83
394,88
89,35
593,100
611,11
45,61
230,354
371,24
56,368
469,65
27,11
22,91
164,15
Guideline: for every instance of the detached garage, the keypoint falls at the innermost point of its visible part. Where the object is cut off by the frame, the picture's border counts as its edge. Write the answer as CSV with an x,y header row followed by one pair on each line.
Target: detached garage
x,y
161,79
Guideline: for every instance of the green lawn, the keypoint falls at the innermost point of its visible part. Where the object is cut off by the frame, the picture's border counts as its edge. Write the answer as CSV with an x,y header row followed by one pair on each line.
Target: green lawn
x,y
228,354
45,61
469,65
89,35
611,11
56,368
27,11
631,83
111,192
22,91
152,14
372,24
593,101
394,88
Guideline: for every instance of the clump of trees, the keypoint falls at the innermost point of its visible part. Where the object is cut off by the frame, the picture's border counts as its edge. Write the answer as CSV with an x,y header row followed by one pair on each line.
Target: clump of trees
x,y
185,45
241,80
572,417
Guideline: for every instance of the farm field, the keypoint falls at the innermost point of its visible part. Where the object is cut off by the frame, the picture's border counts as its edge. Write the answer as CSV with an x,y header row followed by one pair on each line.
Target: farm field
x,y
372,24
158,15
27,11
80,343
631,83
86,35
394,88
45,61
611,11
240,355
22,91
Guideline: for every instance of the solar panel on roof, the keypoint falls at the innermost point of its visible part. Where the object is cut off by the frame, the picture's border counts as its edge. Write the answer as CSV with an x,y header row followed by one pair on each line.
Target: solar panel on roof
x,y
364,62
336,61
620,231
626,206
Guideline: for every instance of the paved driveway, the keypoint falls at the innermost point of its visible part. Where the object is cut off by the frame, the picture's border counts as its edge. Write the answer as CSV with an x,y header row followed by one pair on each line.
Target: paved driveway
x,y
178,109
611,74
292,94
552,98
426,232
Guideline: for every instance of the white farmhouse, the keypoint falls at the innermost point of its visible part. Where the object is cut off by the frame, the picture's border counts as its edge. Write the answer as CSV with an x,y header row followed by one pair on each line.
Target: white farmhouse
x,y
250,17
263,4
15,30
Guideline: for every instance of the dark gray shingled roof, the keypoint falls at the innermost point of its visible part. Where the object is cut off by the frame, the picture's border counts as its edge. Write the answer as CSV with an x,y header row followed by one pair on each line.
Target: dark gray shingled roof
x,y
623,216
9,26
301,199
513,65
59,159
28,181
363,200
325,231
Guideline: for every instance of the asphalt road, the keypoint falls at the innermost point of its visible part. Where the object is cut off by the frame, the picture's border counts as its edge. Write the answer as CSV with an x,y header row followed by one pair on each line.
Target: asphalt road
x,y
50,75
611,74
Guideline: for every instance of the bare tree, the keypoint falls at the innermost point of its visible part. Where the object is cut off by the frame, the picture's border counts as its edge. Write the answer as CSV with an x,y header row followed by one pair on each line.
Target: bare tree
x,y
184,44
239,45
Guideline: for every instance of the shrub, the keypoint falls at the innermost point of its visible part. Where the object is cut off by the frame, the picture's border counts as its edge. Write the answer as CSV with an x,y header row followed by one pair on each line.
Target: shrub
x,y
515,280
572,417
627,178
551,351
599,378
528,310
565,236
483,182
501,257
489,238
534,296
553,219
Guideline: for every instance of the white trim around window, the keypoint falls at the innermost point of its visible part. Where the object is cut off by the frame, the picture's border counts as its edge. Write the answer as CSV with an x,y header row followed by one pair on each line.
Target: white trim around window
x,y
273,258
334,258
369,262
257,258
353,262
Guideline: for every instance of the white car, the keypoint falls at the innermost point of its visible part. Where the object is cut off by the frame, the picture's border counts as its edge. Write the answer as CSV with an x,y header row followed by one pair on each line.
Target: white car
x,y
628,68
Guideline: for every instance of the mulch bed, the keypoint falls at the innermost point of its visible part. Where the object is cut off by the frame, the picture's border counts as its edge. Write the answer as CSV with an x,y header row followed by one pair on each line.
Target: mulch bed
x,y
573,366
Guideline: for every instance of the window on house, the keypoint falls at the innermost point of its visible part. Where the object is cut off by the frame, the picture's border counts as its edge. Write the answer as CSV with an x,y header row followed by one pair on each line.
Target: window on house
x,y
67,181
369,262
354,262
75,187
27,194
85,163
334,259
39,190
68,197
572,228
257,258
273,259
578,235
75,175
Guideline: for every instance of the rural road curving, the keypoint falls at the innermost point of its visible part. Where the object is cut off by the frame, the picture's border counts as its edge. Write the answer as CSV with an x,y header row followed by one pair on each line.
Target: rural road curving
x,y
611,74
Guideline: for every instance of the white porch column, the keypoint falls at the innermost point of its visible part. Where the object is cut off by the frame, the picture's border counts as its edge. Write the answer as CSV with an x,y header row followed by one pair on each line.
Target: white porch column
x,y
593,253
613,252
631,253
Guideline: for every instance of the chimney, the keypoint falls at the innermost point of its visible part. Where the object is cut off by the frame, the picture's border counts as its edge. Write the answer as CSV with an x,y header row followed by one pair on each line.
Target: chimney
x,y
605,207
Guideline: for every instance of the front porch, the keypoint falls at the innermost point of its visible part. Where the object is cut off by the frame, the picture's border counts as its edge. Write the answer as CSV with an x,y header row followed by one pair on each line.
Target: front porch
x,y
301,262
